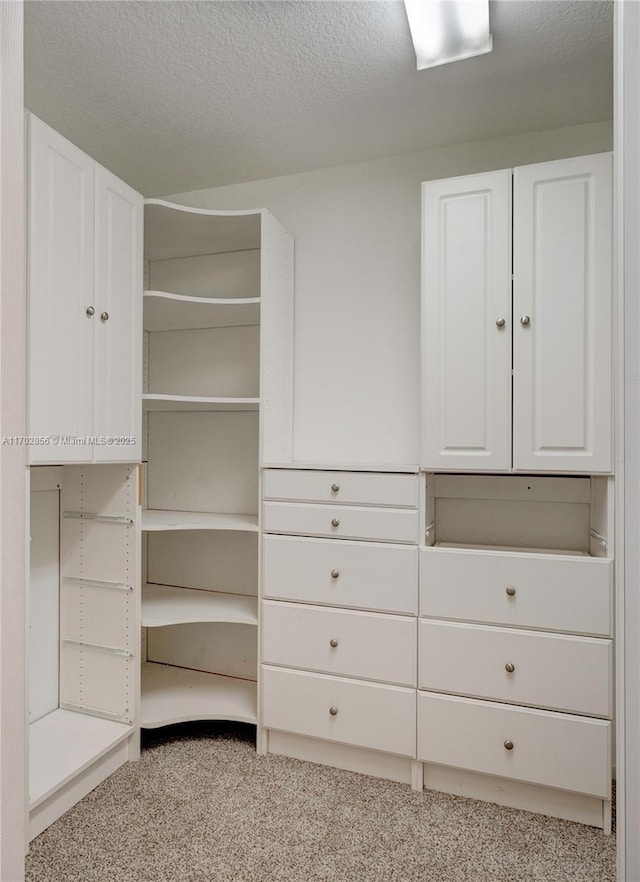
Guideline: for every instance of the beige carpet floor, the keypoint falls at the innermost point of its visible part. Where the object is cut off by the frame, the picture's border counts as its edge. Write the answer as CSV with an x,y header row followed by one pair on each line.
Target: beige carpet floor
x,y
206,808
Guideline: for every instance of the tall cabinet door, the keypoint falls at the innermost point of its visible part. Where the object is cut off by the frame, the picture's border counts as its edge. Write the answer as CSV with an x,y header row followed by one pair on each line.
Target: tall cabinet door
x,y
61,326
466,323
562,316
118,332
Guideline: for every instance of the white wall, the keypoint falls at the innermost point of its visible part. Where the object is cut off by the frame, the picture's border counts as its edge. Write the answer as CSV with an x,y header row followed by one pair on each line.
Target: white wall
x,y
357,234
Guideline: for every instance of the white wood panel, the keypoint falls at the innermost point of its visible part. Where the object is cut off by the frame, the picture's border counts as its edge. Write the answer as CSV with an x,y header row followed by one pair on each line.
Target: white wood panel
x,y
368,645
553,592
341,522
225,561
118,294
466,288
513,488
234,274
368,715
375,577
167,605
562,281
342,487
98,614
217,648
557,750
101,682
100,551
564,673
276,341
175,695
161,520
193,403
61,288
44,603
174,312
508,523
222,362
110,490
65,743
205,462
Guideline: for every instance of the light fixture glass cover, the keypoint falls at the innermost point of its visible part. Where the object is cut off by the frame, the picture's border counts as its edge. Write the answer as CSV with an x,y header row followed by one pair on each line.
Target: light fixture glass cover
x,y
448,30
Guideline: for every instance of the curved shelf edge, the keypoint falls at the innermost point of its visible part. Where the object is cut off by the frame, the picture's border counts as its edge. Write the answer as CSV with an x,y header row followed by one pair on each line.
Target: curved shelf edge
x,y
165,605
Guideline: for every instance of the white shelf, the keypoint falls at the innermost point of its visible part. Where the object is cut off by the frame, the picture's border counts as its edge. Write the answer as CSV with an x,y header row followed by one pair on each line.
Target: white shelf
x,y
164,311
63,744
152,402
409,468
159,519
464,546
172,230
170,605
177,695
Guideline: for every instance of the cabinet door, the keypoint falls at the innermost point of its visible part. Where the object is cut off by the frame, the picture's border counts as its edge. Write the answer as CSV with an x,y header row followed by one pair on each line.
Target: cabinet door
x,y
562,316
466,323
118,331
61,239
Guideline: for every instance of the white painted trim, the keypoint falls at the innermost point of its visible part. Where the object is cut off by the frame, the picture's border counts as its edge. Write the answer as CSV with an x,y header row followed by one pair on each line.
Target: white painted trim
x,y
12,458
627,270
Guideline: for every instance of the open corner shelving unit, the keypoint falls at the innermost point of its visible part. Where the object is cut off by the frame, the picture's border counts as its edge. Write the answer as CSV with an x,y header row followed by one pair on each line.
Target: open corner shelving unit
x,y
218,296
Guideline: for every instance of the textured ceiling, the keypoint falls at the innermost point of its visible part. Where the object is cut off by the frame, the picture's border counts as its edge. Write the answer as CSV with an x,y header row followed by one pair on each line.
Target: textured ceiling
x,y
175,96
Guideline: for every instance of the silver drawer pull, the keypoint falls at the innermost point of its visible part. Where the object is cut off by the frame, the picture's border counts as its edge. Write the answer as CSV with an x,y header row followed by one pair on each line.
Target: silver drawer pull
x,y
500,323
511,591
508,744
90,311
335,574
333,711
335,488
104,316
335,522
525,320
509,668
333,643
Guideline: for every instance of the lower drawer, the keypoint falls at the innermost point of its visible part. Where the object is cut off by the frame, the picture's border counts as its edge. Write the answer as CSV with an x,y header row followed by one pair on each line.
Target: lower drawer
x,y
353,644
555,750
341,521
364,714
554,671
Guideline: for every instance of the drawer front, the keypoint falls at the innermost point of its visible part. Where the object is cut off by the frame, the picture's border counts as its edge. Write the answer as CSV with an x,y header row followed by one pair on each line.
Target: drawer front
x,y
555,750
367,715
341,522
549,670
351,574
552,592
352,644
354,488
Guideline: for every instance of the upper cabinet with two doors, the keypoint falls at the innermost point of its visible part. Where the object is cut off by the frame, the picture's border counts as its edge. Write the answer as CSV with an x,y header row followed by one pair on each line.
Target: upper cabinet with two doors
x,y
516,313
85,306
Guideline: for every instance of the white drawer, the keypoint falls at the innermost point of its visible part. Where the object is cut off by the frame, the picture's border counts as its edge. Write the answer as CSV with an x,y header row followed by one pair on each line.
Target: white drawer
x,y
552,592
367,715
549,670
555,750
354,488
341,522
351,574
353,644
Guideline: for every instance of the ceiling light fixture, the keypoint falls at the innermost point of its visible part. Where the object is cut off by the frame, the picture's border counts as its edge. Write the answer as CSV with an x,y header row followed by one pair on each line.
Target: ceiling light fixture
x,y
448,30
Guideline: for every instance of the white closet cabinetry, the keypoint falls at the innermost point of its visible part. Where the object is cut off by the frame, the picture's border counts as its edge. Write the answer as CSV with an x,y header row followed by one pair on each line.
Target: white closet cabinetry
x,y
339,617
85,283
218,319
557,318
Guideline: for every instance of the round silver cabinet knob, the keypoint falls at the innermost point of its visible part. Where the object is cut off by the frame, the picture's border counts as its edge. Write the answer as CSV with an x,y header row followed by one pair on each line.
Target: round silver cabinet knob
x,y
525,320
335,488
509,668
508,744
500,323
90,311
335,522
104,316
335,574
333,643
333,711
511,591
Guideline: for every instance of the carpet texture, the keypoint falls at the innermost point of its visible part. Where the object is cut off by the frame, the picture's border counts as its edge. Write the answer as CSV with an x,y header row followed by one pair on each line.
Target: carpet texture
x,y
201,806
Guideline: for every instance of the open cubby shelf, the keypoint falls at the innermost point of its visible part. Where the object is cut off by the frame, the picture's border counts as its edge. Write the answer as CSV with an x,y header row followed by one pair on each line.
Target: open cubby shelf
x,y
170,605
165,311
